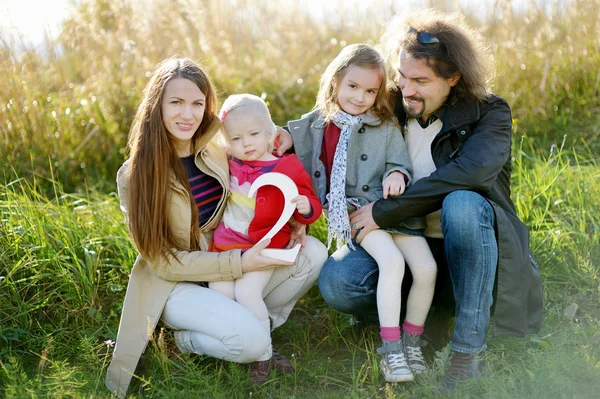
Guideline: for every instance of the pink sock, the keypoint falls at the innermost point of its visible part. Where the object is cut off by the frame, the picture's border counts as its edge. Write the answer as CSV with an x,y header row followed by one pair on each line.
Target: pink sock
x,y
410,328
390,333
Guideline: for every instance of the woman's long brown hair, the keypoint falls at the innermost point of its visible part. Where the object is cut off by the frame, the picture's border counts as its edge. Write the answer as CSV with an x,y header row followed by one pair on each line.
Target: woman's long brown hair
x,y
154,163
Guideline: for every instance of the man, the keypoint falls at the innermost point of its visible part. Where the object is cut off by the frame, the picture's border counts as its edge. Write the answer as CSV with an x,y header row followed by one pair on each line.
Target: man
x,y
459,136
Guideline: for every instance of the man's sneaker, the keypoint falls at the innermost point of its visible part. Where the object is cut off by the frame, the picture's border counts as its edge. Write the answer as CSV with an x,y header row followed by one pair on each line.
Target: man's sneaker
x,y
462,367
414,355
393,362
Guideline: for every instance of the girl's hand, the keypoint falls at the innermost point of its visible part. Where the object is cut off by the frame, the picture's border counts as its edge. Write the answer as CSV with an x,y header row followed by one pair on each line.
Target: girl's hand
x,y
253,261
283,141
302,205
394,184
297,235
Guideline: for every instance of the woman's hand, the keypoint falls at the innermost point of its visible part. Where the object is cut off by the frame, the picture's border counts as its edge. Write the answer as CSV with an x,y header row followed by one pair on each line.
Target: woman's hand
x,y
253,261
283,141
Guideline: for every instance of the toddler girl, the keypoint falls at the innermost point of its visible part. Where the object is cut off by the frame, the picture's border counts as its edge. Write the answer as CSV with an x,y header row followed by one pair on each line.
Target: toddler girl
x,y
353,149
249,133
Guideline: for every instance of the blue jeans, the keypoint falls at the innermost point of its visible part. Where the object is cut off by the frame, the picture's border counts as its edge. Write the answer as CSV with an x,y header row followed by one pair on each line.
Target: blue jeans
x,y
348,280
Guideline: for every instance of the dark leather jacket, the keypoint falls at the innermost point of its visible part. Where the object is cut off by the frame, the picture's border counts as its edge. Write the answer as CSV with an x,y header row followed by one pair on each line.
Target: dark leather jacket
x,y
473,152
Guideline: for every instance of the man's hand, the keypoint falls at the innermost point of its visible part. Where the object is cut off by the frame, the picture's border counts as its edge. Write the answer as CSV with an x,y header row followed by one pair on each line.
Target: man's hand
x,y
297,235
394,184
283,141
362,222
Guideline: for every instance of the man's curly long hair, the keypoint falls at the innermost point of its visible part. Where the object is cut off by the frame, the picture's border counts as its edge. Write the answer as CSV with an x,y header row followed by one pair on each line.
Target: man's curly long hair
x,y
461,51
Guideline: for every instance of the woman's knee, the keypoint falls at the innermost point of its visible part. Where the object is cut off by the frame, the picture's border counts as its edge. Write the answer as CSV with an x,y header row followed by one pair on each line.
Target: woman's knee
x,y
310,262
316,252
247,345
243,343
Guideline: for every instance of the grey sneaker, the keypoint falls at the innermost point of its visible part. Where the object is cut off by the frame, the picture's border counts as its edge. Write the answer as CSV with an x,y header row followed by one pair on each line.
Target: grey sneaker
x,y
393,362
414,355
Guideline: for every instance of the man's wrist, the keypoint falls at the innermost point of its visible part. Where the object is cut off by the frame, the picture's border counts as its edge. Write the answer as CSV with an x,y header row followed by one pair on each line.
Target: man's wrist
x,y
375,213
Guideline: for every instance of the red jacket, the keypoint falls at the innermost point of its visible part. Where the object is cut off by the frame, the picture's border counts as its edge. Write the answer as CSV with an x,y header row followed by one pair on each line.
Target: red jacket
x,y
270,203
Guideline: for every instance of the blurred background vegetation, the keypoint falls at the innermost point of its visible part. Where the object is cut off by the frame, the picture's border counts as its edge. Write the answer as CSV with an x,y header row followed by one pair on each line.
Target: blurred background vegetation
x,y
65,112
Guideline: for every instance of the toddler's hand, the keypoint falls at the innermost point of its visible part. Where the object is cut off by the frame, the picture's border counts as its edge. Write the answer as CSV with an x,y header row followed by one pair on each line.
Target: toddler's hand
x,y
302,205
394,184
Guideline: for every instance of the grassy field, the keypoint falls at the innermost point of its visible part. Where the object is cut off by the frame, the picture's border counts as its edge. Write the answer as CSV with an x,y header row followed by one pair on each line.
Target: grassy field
x,y
64,250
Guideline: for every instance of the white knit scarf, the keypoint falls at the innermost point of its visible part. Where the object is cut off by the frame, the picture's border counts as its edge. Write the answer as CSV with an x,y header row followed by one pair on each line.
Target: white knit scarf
x,y
337,218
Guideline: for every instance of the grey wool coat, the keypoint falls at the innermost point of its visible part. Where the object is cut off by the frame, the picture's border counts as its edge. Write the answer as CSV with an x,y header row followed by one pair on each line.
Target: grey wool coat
x,y
376,148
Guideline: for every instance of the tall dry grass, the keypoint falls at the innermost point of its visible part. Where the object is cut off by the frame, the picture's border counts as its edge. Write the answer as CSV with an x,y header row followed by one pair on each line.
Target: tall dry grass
x,y
71,107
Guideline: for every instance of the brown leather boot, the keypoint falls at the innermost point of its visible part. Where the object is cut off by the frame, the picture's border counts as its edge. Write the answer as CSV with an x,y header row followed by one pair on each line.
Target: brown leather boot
x,y
260,370
281,363
462,367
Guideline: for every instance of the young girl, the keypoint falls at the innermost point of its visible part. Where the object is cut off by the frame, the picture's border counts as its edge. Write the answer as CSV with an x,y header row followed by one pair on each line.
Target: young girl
x,y
353,149
249,133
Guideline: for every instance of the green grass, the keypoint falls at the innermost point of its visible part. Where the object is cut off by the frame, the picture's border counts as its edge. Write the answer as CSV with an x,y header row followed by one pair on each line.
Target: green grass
x,y
64,265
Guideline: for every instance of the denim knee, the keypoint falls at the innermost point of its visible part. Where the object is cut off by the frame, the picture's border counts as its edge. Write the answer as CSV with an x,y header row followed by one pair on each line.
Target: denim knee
x,y
463,212
331,286
348,280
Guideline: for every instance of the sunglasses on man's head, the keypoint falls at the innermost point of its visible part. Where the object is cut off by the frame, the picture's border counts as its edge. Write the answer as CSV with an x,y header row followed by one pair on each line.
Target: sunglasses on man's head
x,y
424,38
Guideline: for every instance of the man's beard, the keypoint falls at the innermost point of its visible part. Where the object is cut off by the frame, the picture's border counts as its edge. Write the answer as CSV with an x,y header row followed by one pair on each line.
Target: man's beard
x,y
411,112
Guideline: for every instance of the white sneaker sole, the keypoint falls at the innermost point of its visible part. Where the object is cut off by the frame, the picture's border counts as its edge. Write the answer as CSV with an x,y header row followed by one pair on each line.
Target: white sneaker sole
x,y
389,377
398,377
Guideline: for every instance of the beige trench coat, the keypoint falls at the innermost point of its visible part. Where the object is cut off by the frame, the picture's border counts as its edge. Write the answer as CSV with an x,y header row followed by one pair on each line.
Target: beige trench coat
x,y
151,283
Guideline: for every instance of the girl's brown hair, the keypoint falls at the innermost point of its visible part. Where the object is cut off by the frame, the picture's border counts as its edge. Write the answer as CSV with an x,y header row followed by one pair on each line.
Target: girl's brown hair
x,y
154,162
362,56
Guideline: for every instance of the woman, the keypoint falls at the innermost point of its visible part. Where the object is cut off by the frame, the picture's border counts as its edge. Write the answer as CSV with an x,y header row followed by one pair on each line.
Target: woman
x,y
172,190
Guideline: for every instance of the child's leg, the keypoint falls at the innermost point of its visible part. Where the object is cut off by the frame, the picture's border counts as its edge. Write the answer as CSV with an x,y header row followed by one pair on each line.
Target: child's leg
x,y
226,288
424,270
249,293
380,245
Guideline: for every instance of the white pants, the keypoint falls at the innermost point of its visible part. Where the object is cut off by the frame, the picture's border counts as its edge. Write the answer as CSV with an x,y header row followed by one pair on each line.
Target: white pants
x,y
248,292
210,323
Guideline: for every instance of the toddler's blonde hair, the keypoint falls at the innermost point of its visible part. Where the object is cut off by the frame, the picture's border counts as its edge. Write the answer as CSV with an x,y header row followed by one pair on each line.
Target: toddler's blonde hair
x,y
245,105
